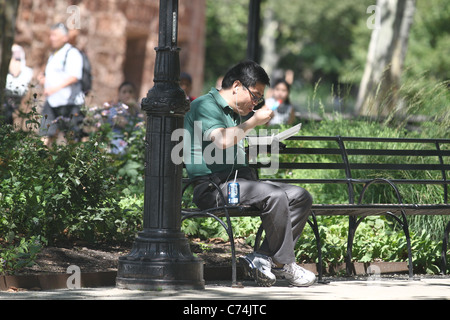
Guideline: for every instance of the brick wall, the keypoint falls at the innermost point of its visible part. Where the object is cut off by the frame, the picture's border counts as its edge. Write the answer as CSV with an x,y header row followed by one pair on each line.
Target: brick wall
x,y
119,37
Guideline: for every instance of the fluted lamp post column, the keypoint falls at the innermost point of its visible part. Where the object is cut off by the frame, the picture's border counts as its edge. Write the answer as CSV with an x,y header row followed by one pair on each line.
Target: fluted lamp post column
x,y
160,257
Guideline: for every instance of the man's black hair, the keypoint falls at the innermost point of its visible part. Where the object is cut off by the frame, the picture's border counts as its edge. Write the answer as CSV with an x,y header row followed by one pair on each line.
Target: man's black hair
x,y
60,26
248,73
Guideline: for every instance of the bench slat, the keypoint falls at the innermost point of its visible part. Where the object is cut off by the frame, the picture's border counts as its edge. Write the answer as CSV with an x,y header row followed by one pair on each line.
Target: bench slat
x,y
355,166
357,181
339,209
366,152
380,209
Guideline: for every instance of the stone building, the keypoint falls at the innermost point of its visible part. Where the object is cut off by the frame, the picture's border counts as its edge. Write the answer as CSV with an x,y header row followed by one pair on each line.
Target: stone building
x,y
118,36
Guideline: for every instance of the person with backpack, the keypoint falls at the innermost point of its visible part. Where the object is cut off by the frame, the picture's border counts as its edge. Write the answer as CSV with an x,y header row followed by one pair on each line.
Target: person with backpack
x,y
63,89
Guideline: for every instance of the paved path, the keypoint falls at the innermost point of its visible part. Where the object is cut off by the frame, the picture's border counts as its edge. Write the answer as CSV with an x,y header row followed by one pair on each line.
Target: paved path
x,y
378,289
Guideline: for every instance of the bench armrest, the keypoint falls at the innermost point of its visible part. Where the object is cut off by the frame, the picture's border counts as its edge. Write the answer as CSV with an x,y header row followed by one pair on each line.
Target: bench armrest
x,y
380,180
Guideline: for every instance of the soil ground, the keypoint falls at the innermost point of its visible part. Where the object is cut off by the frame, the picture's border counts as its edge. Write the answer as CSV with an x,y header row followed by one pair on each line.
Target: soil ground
x,y
99,258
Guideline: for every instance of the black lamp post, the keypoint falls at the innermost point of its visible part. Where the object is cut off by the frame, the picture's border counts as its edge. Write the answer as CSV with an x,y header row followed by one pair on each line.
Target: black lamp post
x,y
161,257
253,30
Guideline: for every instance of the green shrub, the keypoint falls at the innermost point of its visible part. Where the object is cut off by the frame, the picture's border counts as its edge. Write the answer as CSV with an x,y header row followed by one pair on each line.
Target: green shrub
x,y
18,253
64,192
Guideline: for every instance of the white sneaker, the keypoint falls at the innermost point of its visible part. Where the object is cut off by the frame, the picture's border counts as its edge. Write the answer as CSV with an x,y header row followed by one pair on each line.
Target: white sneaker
x,y
296,275
258,267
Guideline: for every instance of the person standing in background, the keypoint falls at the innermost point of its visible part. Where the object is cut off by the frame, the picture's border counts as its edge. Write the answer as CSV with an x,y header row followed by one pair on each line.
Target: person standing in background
x,y
62,88
124,116
186,85
17,83
279,103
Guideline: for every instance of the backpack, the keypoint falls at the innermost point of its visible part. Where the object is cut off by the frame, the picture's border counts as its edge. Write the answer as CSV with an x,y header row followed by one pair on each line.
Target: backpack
x,y
86,78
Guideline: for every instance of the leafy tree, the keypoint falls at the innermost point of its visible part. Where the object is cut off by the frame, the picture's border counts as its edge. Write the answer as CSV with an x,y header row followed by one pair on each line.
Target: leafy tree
x,y
311,38
226,36
429,49
378,93
8,13
424,80
314,38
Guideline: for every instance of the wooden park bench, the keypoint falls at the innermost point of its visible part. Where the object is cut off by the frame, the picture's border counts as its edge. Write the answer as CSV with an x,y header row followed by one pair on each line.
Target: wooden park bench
x,y
355,165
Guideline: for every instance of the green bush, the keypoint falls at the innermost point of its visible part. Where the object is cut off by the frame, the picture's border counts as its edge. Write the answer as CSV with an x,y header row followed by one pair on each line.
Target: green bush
x,y
51,191
68,191
18,254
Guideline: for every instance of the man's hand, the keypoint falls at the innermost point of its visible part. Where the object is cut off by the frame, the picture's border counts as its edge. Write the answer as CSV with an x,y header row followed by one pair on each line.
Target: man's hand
x,y
263,115
225,138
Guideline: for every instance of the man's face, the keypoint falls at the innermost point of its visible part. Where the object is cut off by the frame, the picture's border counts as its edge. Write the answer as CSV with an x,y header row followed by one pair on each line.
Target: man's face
x,y
127,94
186,86
58,39
249,98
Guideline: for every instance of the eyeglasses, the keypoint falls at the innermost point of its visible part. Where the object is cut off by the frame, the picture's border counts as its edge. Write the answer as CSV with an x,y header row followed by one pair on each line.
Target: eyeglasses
x,y
255,99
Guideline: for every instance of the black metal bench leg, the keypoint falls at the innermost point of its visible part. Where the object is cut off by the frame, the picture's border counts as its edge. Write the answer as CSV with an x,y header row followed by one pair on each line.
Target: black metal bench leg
x,y
315,229
230,236
229,229
408,243
258,238
352,225
444,249
405,226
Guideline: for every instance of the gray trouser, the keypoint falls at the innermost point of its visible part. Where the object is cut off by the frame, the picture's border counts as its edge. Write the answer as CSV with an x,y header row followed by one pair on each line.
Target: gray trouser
x,y
284,212
63,118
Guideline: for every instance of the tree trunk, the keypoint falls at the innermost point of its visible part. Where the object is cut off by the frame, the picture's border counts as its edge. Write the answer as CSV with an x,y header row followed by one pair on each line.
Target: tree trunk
x,y
378,93
8,14
270,55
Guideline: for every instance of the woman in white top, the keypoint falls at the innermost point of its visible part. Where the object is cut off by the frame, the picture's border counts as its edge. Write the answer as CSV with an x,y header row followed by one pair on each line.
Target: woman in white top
x,y
17,82
284,112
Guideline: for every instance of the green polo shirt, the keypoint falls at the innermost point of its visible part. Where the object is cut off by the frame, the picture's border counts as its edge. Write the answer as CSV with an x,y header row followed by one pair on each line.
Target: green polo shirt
x,y
201,156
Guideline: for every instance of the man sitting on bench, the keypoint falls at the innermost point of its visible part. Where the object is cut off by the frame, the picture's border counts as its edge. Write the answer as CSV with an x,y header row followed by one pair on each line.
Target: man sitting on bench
x,y
215,151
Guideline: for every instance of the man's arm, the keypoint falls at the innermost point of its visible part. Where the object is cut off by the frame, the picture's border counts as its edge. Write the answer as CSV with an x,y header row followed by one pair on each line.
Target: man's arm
x,y
65,83
225,138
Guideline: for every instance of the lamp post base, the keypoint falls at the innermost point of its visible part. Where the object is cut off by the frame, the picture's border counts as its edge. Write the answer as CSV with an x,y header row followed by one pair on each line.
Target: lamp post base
x,y
160,262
